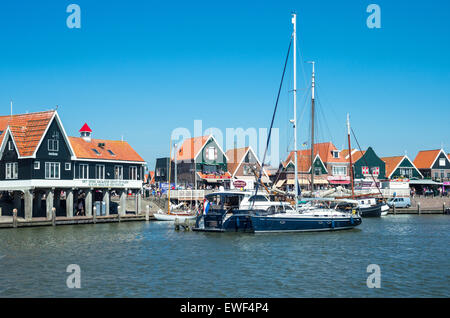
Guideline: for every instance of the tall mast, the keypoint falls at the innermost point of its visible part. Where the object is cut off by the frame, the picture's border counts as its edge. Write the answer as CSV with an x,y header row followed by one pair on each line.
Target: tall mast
x,y
170,168
312,126
294,38
350,156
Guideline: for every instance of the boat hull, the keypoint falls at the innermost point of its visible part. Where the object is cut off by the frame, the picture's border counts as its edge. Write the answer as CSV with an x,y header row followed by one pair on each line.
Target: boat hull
x,y
371,212
266,224
173,217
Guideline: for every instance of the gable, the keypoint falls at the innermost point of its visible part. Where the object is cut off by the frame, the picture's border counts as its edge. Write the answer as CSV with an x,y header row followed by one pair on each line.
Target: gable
x,y
405,163
441,162
371,160
6,154
211,154
53,145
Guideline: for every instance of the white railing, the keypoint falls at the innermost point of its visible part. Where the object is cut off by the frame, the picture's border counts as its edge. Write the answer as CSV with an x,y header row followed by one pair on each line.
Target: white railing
x,y
189,194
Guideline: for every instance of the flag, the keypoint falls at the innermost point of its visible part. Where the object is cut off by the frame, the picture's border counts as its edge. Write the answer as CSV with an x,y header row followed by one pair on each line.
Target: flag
x,y
206,205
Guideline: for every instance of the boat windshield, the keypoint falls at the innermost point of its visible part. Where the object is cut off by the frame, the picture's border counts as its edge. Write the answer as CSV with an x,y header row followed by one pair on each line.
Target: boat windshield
x,y
225,201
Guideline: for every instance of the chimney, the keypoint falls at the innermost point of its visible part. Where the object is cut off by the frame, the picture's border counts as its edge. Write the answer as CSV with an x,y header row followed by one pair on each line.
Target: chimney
x,y
85,133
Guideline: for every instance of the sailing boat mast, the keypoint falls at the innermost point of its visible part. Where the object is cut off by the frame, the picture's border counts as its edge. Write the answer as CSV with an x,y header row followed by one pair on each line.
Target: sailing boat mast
x,y
350,156
294,38
170,168
312,126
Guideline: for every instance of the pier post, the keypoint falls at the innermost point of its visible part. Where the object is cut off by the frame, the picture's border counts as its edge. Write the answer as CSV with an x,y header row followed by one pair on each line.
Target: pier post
x,y
107,200
28,204
53,216
17,201
49,203
118,213
57,199
418,207
393,207
14,217
94,214
147,213
123,202
88,202
69,203
138,202
443,208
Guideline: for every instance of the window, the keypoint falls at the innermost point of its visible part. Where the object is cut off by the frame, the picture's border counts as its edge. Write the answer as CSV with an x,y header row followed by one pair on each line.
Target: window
x,y
96,151
52,170
133,173
317,171
335,154
84,171
436,175
442,162
211,153
339,170
442,174
10,145
118,172
111,153
53,145
12,170
375,171
37,165
258,198
248,170
406,172
99,172
68,166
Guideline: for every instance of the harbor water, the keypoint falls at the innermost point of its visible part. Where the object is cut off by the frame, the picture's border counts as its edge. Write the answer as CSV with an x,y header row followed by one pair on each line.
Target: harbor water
x,y
150,259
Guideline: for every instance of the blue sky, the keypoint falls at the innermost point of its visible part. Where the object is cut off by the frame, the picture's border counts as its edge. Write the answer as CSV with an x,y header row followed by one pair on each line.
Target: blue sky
x,y
142,68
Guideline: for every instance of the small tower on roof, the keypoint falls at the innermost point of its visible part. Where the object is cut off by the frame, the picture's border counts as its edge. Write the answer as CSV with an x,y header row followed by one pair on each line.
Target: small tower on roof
x,y
85,132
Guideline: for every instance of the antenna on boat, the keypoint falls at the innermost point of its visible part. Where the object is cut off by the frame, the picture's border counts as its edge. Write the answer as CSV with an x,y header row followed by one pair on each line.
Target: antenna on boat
x,y
294,122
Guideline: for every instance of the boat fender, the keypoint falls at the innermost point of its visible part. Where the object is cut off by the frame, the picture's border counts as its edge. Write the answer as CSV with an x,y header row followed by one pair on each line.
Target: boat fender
x,y
237,221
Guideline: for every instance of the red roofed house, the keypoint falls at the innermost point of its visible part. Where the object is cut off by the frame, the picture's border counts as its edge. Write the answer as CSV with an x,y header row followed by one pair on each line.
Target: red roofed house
x,y
433,164
330,166
202,163
38,160
242,165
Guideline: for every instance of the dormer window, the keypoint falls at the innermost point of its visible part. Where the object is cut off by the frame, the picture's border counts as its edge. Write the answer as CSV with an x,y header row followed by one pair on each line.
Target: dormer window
x,y
335,154
111,153
96,151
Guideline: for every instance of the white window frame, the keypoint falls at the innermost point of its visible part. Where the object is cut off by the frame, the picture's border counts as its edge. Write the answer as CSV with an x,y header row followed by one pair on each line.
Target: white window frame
x,y
133,176
336,169
120,177
69,165
102,176
10,145
211,151
52,167
37,165
81,170
53,143
11,170
441,162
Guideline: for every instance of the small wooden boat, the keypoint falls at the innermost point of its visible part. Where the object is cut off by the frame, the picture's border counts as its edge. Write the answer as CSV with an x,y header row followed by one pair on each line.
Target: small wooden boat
x,y
172,216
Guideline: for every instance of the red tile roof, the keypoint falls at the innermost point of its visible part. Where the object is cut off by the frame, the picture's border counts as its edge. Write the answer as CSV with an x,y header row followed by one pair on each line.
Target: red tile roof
x,y
27,129
191,147
392,163
223,176
121,149
425,158
235,156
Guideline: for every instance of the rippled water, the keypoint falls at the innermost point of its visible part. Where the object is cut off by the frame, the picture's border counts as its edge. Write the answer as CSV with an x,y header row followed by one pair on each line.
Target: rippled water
x,y
152,260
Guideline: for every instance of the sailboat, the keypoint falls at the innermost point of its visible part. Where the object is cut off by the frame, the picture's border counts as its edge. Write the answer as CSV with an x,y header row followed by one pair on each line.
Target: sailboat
x,y
369,207
173,212
326,215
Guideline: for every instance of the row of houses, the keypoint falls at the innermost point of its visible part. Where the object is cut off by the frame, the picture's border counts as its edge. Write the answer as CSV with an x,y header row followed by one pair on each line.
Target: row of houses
x,y
200,162
41,167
